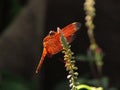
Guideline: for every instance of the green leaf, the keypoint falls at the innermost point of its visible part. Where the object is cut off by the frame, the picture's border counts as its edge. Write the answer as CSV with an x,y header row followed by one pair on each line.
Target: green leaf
x,y
64,42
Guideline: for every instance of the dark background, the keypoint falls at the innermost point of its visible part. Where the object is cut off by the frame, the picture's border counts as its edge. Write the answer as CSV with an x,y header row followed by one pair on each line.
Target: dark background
x,y
56,13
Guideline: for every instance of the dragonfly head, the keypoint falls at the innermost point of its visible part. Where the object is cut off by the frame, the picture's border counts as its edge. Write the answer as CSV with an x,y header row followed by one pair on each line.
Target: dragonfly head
x,y
51,33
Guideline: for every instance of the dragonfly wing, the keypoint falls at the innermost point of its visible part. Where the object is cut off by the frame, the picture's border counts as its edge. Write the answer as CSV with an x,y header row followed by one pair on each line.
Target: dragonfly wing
x,y
70,30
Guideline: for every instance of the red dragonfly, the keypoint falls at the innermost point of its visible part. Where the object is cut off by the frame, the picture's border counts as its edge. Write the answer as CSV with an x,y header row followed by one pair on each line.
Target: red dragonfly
x,y
52,43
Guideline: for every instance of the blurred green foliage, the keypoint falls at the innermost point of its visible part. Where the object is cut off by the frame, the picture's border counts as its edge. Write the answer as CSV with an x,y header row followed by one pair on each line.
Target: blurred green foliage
x,y
15,8
8,81
9,9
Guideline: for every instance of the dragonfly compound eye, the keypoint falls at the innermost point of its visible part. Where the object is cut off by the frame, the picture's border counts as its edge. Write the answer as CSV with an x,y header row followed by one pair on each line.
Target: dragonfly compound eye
x,y
51,33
